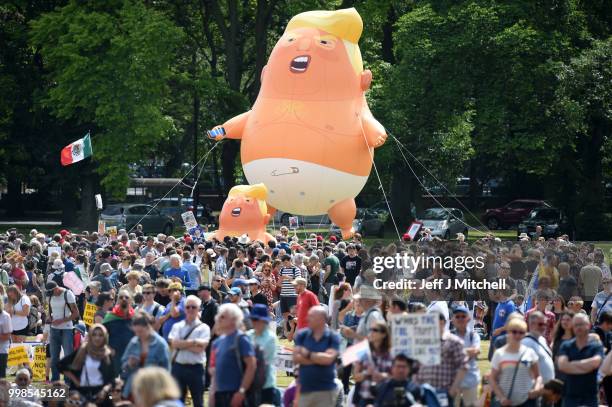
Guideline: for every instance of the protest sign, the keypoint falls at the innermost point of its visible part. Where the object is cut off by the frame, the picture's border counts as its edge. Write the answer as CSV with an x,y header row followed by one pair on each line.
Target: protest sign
x,y
284,359
293,222
40,363
18,355
72,281
356,353
112,231
414,229
311,242
89,313
54,249
101,227
189,220
417,336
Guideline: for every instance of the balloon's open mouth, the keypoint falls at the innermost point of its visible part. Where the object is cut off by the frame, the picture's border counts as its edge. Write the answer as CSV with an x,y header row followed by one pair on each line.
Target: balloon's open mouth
x,y
236,212
299,64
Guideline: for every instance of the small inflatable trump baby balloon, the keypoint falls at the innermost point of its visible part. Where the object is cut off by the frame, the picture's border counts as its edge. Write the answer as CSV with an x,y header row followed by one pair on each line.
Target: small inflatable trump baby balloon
x,y
310,135
244,213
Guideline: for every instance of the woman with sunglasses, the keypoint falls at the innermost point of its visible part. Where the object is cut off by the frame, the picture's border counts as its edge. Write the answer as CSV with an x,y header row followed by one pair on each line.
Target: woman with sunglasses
x,y
268,283
146,348
515,377
90,368
370,372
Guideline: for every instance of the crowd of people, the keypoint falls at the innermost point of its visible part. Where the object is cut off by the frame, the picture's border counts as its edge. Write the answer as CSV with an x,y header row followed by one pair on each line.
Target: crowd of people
x,y
187,320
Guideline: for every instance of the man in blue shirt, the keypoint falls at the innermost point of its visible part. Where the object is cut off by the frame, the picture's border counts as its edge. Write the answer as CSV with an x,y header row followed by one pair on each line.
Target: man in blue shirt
x,y
316,350
579,359
232,380
175,270
175,310
193,273
505,307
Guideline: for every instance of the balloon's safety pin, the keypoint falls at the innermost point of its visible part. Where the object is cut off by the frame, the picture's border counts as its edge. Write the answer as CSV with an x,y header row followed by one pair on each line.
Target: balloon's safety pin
x,y
294,170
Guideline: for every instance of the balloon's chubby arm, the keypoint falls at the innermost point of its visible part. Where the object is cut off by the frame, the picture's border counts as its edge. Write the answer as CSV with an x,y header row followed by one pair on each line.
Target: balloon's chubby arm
x,y
232,128
373,131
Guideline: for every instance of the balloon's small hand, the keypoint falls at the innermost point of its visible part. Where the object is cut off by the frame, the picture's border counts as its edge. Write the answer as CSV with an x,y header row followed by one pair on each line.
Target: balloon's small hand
x,y
217,133
380,140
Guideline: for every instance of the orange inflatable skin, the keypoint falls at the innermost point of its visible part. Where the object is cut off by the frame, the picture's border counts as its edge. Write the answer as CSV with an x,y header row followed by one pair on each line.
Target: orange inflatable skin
x,y
310,124
242,215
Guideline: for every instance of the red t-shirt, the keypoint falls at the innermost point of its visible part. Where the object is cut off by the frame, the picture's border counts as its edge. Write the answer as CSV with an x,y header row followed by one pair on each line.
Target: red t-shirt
x,y
305,301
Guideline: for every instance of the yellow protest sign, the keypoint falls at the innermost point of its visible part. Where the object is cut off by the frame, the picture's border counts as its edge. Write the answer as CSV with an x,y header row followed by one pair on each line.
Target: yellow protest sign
x,y
90,312
18,355
40,363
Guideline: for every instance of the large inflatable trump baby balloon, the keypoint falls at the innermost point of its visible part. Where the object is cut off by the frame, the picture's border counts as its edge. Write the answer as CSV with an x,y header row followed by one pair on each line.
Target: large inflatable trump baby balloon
x,y
310,135
244,213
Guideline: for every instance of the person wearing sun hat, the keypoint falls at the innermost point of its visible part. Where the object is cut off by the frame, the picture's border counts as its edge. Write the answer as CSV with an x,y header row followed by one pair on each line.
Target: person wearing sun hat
x,y
262,336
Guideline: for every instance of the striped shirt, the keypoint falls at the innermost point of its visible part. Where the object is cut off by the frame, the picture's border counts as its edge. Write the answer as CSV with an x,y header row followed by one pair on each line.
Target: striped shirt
x,y
287,289
506,362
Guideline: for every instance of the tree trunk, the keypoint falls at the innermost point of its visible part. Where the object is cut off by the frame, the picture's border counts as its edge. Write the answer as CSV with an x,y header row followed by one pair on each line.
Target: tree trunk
x,y
69,200
14,199
88,219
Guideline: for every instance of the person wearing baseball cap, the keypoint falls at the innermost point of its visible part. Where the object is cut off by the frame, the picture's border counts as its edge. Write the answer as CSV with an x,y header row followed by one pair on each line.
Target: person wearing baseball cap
x,y
305,301
257,297
468,393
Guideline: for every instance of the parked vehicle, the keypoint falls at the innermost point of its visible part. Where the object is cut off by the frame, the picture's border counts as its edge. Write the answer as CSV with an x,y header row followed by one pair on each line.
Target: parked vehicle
x,y
367,223
553,221
444,222
126,216
174,207
511,213
282,218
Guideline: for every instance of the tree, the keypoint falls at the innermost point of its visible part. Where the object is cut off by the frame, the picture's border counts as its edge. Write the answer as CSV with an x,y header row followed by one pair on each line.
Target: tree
x,y
108,65
584,106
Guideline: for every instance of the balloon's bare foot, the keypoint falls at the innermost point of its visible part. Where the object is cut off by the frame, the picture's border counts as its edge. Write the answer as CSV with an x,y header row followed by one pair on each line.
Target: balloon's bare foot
x,y
348,234
342,214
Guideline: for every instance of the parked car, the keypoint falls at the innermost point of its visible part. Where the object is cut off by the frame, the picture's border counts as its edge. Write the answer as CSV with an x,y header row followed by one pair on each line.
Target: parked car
x,y
128,215
367,223
282,218
174,207
444,222
511,213
553,221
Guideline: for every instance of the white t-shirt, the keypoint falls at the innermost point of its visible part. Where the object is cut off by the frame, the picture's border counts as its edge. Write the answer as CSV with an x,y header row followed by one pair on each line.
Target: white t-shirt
x,y
18,321
91,375
6,327
506,363
545,360
59,309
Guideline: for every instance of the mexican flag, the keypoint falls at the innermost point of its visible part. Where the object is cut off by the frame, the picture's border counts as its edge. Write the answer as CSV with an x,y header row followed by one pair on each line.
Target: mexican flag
x,y
77,151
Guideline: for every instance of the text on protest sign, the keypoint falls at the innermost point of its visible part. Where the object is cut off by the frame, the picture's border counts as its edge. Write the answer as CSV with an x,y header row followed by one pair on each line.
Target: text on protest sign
x,y
18,355
89,313
40,363
417,336
189,220
284,359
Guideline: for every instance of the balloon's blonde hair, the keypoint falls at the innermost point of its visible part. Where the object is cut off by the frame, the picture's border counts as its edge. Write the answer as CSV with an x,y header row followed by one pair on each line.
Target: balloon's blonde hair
x,y
346,24
256,191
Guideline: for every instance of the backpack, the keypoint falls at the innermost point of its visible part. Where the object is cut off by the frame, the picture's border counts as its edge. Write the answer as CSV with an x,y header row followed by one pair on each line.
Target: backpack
x,y
58,279
259,379
66,305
